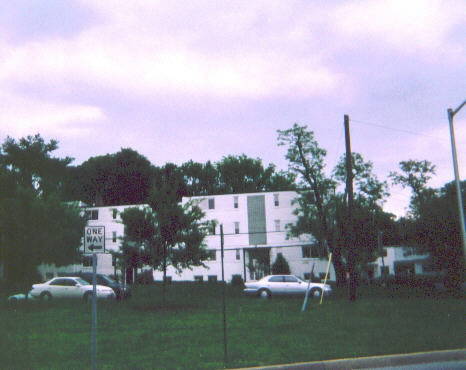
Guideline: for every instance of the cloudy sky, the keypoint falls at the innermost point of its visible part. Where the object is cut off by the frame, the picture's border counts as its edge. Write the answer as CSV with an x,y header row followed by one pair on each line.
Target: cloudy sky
x,y
181,80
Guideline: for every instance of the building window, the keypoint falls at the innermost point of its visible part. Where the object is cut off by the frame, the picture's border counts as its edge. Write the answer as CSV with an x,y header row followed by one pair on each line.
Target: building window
x,y
212,278
306,251
114,236
238,256
235,202
277,225
92,215
212,228
87,261
211,203
312,251
276,202
198,278
236,227
113,260
114,213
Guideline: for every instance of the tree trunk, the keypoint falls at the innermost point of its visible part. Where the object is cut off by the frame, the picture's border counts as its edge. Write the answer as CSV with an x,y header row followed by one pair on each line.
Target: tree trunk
x,y
339,266
164,280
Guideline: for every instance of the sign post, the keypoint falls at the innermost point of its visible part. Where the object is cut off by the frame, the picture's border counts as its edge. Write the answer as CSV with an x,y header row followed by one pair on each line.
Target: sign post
x,y
94,241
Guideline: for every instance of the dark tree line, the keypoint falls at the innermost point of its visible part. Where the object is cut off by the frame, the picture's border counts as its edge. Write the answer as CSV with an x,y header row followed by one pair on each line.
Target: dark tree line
x,y
127,177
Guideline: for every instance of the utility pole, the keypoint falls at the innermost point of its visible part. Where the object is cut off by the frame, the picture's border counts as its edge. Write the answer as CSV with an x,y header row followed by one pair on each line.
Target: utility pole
x,y
349,226
451,114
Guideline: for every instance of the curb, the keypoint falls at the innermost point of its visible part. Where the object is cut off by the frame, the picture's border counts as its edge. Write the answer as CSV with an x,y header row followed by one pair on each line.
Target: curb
x,y
376,361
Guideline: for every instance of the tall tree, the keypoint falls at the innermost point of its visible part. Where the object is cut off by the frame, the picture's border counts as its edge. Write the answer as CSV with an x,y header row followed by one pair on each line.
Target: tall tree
x,y
436,230
322,208
167,233
35,225
306,159
125,177
29,160
415,175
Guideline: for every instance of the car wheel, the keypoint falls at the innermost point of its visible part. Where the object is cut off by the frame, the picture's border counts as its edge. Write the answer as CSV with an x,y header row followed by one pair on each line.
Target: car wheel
x,y
45,296
316,292
264,294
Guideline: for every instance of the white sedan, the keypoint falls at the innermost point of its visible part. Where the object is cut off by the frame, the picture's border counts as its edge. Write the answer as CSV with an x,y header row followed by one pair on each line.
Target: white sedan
x,y
69,287
285,285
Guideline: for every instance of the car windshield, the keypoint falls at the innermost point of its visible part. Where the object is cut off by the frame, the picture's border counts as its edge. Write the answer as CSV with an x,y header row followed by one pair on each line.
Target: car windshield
x,y
82,281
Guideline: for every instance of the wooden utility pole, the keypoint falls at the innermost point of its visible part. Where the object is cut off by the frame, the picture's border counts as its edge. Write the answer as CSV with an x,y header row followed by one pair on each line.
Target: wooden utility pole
x,y
351,261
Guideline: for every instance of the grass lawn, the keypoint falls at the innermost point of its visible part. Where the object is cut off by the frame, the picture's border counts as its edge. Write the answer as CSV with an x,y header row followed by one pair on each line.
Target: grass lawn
x,y
188,331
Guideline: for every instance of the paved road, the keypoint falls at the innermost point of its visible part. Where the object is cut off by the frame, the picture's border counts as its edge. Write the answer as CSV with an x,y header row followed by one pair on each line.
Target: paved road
x,y
450,359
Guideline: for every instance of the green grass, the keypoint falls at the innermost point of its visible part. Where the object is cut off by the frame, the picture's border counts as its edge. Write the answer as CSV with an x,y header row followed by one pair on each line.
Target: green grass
x,y
188,331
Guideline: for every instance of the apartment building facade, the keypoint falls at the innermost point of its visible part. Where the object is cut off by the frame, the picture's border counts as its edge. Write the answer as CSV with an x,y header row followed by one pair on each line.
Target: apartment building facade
x,y
254,233
254,228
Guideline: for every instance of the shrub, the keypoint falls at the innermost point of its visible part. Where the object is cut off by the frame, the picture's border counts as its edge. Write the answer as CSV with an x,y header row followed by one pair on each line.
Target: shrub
x,y
280,266
145,277
237,280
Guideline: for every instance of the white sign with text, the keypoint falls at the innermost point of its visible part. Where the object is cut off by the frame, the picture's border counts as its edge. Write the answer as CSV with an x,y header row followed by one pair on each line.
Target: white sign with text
x,y
94,239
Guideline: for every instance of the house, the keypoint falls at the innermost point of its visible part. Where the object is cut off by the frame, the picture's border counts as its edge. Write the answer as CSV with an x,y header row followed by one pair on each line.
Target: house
x,y
401,261
254,228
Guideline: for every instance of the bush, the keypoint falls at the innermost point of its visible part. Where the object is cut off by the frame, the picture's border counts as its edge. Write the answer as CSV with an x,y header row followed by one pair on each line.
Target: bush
x,y
145,277
280,266
237,280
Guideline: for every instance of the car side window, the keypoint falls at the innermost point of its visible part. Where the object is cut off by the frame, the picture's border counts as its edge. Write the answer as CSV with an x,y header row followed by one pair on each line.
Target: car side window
x,y
61,282
276,279
290,279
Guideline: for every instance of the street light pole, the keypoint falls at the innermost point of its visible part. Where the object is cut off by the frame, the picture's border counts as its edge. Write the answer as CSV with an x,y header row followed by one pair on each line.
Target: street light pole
x,y
451,114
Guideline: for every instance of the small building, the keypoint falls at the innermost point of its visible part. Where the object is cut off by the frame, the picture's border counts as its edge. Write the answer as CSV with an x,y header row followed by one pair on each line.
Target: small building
x,y
401,261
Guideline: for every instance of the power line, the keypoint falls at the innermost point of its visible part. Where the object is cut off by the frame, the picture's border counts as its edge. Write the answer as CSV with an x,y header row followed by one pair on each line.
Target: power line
x,y
393,129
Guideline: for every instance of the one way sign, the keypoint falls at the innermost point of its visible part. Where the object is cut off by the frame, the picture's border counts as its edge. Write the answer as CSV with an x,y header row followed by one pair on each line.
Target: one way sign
x,y
94,239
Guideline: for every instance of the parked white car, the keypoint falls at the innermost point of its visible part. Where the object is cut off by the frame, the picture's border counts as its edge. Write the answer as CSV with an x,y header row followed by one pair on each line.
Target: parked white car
x,y
285,285
69,287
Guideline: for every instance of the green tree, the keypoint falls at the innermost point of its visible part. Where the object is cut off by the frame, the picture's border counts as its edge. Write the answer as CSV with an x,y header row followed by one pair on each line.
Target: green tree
x,y
415,175
35,225
167,233
322,207
125,177
30,162
306,159
280,266
243,174
436,230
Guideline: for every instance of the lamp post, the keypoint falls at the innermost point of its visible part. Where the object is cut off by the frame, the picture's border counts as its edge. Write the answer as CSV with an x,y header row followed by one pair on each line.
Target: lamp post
x,y
451,114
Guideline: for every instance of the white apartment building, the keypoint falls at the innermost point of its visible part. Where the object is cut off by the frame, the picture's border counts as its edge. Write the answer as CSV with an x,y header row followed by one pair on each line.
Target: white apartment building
x,y
254,227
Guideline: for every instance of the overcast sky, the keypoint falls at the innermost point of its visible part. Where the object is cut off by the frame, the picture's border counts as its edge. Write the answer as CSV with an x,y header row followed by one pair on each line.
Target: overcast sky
x,y
182,80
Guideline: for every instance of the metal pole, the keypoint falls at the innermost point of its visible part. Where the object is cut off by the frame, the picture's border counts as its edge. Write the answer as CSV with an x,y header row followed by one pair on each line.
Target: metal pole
x,y
451,114
225,347
306,296
94,314
351,262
